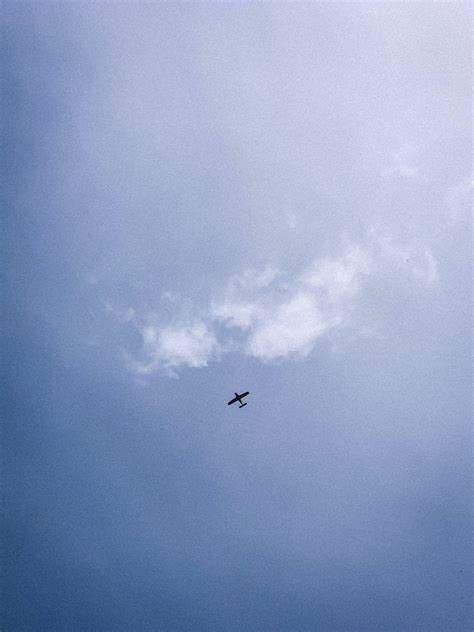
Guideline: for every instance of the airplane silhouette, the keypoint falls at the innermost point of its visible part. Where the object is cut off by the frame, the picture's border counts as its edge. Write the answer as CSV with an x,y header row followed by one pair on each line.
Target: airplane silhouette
x,y
238,398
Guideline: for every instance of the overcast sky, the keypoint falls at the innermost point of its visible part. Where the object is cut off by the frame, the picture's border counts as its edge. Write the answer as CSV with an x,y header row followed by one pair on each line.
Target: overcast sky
x,y
215,197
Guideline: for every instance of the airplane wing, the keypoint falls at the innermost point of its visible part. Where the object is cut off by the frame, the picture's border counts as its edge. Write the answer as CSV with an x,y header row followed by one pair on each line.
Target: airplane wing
x,y
244,394
232,401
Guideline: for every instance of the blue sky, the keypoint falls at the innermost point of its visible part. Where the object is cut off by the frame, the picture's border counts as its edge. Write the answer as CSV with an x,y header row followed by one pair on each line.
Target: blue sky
x,y
210,197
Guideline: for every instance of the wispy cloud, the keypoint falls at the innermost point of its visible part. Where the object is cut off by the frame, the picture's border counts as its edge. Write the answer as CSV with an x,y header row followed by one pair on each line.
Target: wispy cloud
x,y
414,258
270,316
289,316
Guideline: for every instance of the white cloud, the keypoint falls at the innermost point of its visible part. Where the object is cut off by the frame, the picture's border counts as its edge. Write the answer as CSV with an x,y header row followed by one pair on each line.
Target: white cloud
x,y
292,327
269,316
235,314
251,279
244,298
339,278
289,317
173,347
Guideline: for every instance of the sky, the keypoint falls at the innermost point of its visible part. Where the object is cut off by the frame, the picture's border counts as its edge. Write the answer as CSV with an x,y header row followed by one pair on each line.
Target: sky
x,y
203,198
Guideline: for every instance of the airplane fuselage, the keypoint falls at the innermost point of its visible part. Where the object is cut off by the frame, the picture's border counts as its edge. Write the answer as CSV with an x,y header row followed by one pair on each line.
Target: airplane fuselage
x,y
239,398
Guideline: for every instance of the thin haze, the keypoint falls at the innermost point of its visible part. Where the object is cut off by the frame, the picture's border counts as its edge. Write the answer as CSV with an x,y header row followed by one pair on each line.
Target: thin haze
x,y
210,197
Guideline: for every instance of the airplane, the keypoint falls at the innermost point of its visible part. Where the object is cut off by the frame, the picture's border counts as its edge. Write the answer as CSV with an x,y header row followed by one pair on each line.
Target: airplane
x,y
238,398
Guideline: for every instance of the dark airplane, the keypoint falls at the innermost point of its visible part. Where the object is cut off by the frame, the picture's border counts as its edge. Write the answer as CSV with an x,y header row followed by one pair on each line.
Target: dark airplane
x,y
238,398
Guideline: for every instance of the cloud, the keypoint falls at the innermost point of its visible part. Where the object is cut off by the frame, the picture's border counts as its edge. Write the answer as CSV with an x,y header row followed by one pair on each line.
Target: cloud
x,y
235,314
271,316
339,278
245,299
290,316
414,258
292,327
173,347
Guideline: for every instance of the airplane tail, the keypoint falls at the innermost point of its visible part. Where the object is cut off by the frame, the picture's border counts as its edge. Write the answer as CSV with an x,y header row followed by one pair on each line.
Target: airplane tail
x,y
242,405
